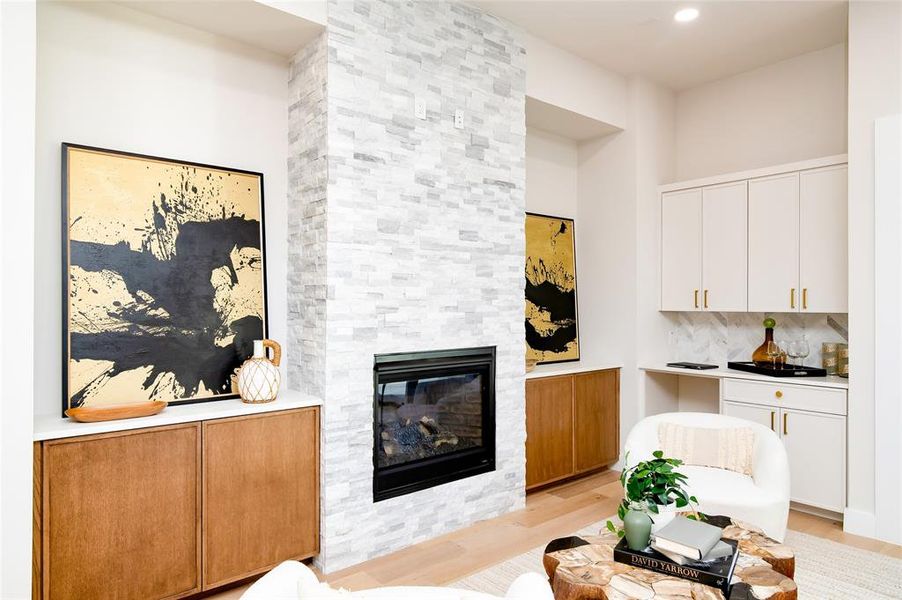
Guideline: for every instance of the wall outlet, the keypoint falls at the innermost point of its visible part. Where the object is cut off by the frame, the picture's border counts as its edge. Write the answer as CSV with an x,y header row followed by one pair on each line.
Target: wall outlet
x,y
419,108
458,119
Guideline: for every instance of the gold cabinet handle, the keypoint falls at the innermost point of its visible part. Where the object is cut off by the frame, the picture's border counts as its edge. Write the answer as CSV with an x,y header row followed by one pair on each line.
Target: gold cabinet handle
x,y
805,298
706,298
778,394
792,297
773,414
696,298
785,423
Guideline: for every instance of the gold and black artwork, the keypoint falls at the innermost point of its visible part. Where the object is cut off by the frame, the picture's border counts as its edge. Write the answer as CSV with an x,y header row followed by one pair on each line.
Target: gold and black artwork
x,y
551,319
164,281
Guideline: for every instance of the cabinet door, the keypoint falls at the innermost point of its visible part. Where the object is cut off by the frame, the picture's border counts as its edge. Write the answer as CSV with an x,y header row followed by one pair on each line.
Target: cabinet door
x,y
121,513
596,418
549,429
774,244
823,241
763,415
261,498
816,445
725,247
681,250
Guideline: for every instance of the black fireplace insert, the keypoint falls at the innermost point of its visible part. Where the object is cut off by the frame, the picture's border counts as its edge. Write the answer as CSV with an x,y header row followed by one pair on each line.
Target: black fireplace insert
x,y
434,418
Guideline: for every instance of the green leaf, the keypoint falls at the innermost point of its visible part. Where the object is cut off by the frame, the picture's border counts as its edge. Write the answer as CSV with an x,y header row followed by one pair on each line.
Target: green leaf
x,y
611,528
681,503
658,454
653,508
621,533
693,499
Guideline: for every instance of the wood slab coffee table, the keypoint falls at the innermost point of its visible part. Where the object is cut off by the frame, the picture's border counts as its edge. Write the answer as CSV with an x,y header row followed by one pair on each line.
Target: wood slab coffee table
x,y
583,568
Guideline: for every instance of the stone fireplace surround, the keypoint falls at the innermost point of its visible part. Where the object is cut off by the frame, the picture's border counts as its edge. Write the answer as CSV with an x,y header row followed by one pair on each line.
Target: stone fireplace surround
x,y
405,235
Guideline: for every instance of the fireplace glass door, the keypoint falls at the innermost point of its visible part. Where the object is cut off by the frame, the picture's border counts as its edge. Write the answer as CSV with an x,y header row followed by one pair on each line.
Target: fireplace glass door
x,y
434,419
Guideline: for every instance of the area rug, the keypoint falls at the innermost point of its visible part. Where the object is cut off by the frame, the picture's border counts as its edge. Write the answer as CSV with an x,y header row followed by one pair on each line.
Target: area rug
x,y
825,570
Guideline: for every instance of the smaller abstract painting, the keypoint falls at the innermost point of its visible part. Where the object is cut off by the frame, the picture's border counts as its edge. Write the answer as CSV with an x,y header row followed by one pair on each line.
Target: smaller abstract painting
x,y
551,321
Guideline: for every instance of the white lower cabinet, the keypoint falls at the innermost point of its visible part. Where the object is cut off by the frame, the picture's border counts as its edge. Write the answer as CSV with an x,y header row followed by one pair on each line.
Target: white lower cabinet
x,y
816,446
757,414
815,440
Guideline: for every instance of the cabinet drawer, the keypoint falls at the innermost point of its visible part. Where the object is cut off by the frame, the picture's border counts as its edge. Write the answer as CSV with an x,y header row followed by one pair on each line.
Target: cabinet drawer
x,y
800,397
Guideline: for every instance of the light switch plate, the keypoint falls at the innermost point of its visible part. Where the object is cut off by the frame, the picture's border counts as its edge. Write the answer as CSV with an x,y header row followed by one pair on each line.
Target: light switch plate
x,y
458,119
419,108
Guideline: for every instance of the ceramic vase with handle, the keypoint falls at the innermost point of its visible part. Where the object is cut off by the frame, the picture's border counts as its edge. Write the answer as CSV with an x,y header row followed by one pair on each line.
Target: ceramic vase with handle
x,y
259,376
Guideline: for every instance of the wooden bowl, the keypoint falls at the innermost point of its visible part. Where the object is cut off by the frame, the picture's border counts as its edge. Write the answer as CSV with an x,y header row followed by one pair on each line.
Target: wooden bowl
x,y
111,412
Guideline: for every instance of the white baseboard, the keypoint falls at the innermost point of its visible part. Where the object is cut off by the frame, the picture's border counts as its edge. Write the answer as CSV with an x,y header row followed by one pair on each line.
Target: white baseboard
x,y
859,522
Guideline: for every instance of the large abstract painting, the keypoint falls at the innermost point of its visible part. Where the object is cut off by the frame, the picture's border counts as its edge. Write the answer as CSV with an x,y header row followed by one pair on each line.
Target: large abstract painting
x,y
551,320
164,282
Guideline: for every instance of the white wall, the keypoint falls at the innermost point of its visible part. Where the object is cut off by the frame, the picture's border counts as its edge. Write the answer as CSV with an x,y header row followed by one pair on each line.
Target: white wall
x,y
551,175
791,110
875,90
17,89
116,78
617,259
557,77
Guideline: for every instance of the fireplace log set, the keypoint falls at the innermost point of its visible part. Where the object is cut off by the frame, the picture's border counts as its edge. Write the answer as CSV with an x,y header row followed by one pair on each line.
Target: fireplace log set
x,y
410,440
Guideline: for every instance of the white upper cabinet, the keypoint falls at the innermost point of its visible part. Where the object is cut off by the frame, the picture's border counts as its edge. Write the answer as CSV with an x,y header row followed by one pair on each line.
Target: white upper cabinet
x,y
773,279
823,240
725,247
681,250
771,240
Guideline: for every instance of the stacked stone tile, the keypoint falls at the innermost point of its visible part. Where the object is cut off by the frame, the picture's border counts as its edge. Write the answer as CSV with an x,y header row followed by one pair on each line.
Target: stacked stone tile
x,y
415,242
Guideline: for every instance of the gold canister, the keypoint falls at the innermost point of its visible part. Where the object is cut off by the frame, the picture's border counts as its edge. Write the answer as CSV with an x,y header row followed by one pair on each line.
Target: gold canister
x,y
829,357
842,360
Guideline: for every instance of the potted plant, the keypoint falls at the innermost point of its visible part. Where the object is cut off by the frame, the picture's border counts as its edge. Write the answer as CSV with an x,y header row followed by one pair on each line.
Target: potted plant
x,y
654,487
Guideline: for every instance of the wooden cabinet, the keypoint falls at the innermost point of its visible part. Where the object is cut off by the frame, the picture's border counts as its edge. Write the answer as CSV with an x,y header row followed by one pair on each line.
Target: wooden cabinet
x,y
775,243
811,422
121,514
823,240
596,411
549,429
704,249
259,508
167,512
681,250
572,425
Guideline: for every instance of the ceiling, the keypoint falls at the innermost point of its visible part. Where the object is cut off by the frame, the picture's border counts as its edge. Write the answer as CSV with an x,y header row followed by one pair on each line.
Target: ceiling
x,y
641,38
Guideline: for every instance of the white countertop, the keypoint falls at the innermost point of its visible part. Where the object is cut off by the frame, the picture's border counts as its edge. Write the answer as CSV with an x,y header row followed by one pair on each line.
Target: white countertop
x,y
568,369
831,381
51,427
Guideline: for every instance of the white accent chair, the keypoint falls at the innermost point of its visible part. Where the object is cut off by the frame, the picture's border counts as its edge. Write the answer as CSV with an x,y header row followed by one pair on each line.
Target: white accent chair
x,y
761,500
292,580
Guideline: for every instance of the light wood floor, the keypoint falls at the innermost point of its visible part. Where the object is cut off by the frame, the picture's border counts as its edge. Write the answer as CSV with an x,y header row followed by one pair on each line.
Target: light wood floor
x,y
549,513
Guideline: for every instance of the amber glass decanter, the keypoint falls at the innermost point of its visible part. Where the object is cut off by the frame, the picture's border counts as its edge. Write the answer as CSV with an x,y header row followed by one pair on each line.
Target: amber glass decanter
x,y
759,356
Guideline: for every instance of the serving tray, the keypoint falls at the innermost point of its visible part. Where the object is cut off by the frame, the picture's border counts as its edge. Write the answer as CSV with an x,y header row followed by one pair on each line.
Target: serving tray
x,y
785,371
111,412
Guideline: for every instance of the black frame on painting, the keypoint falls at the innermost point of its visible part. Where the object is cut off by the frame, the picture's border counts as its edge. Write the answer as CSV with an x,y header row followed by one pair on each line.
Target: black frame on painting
x,y
64,224
575,286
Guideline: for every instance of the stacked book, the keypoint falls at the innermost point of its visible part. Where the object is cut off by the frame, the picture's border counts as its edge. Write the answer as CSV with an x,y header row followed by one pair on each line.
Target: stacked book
x,y
689,549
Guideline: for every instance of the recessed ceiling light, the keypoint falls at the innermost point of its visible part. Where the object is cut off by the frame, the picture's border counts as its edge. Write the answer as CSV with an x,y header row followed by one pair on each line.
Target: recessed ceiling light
x,y
685,15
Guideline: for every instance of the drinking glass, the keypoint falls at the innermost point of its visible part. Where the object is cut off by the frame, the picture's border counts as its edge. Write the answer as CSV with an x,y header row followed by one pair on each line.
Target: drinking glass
x,y
793,351
784,351
803,349
773,351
